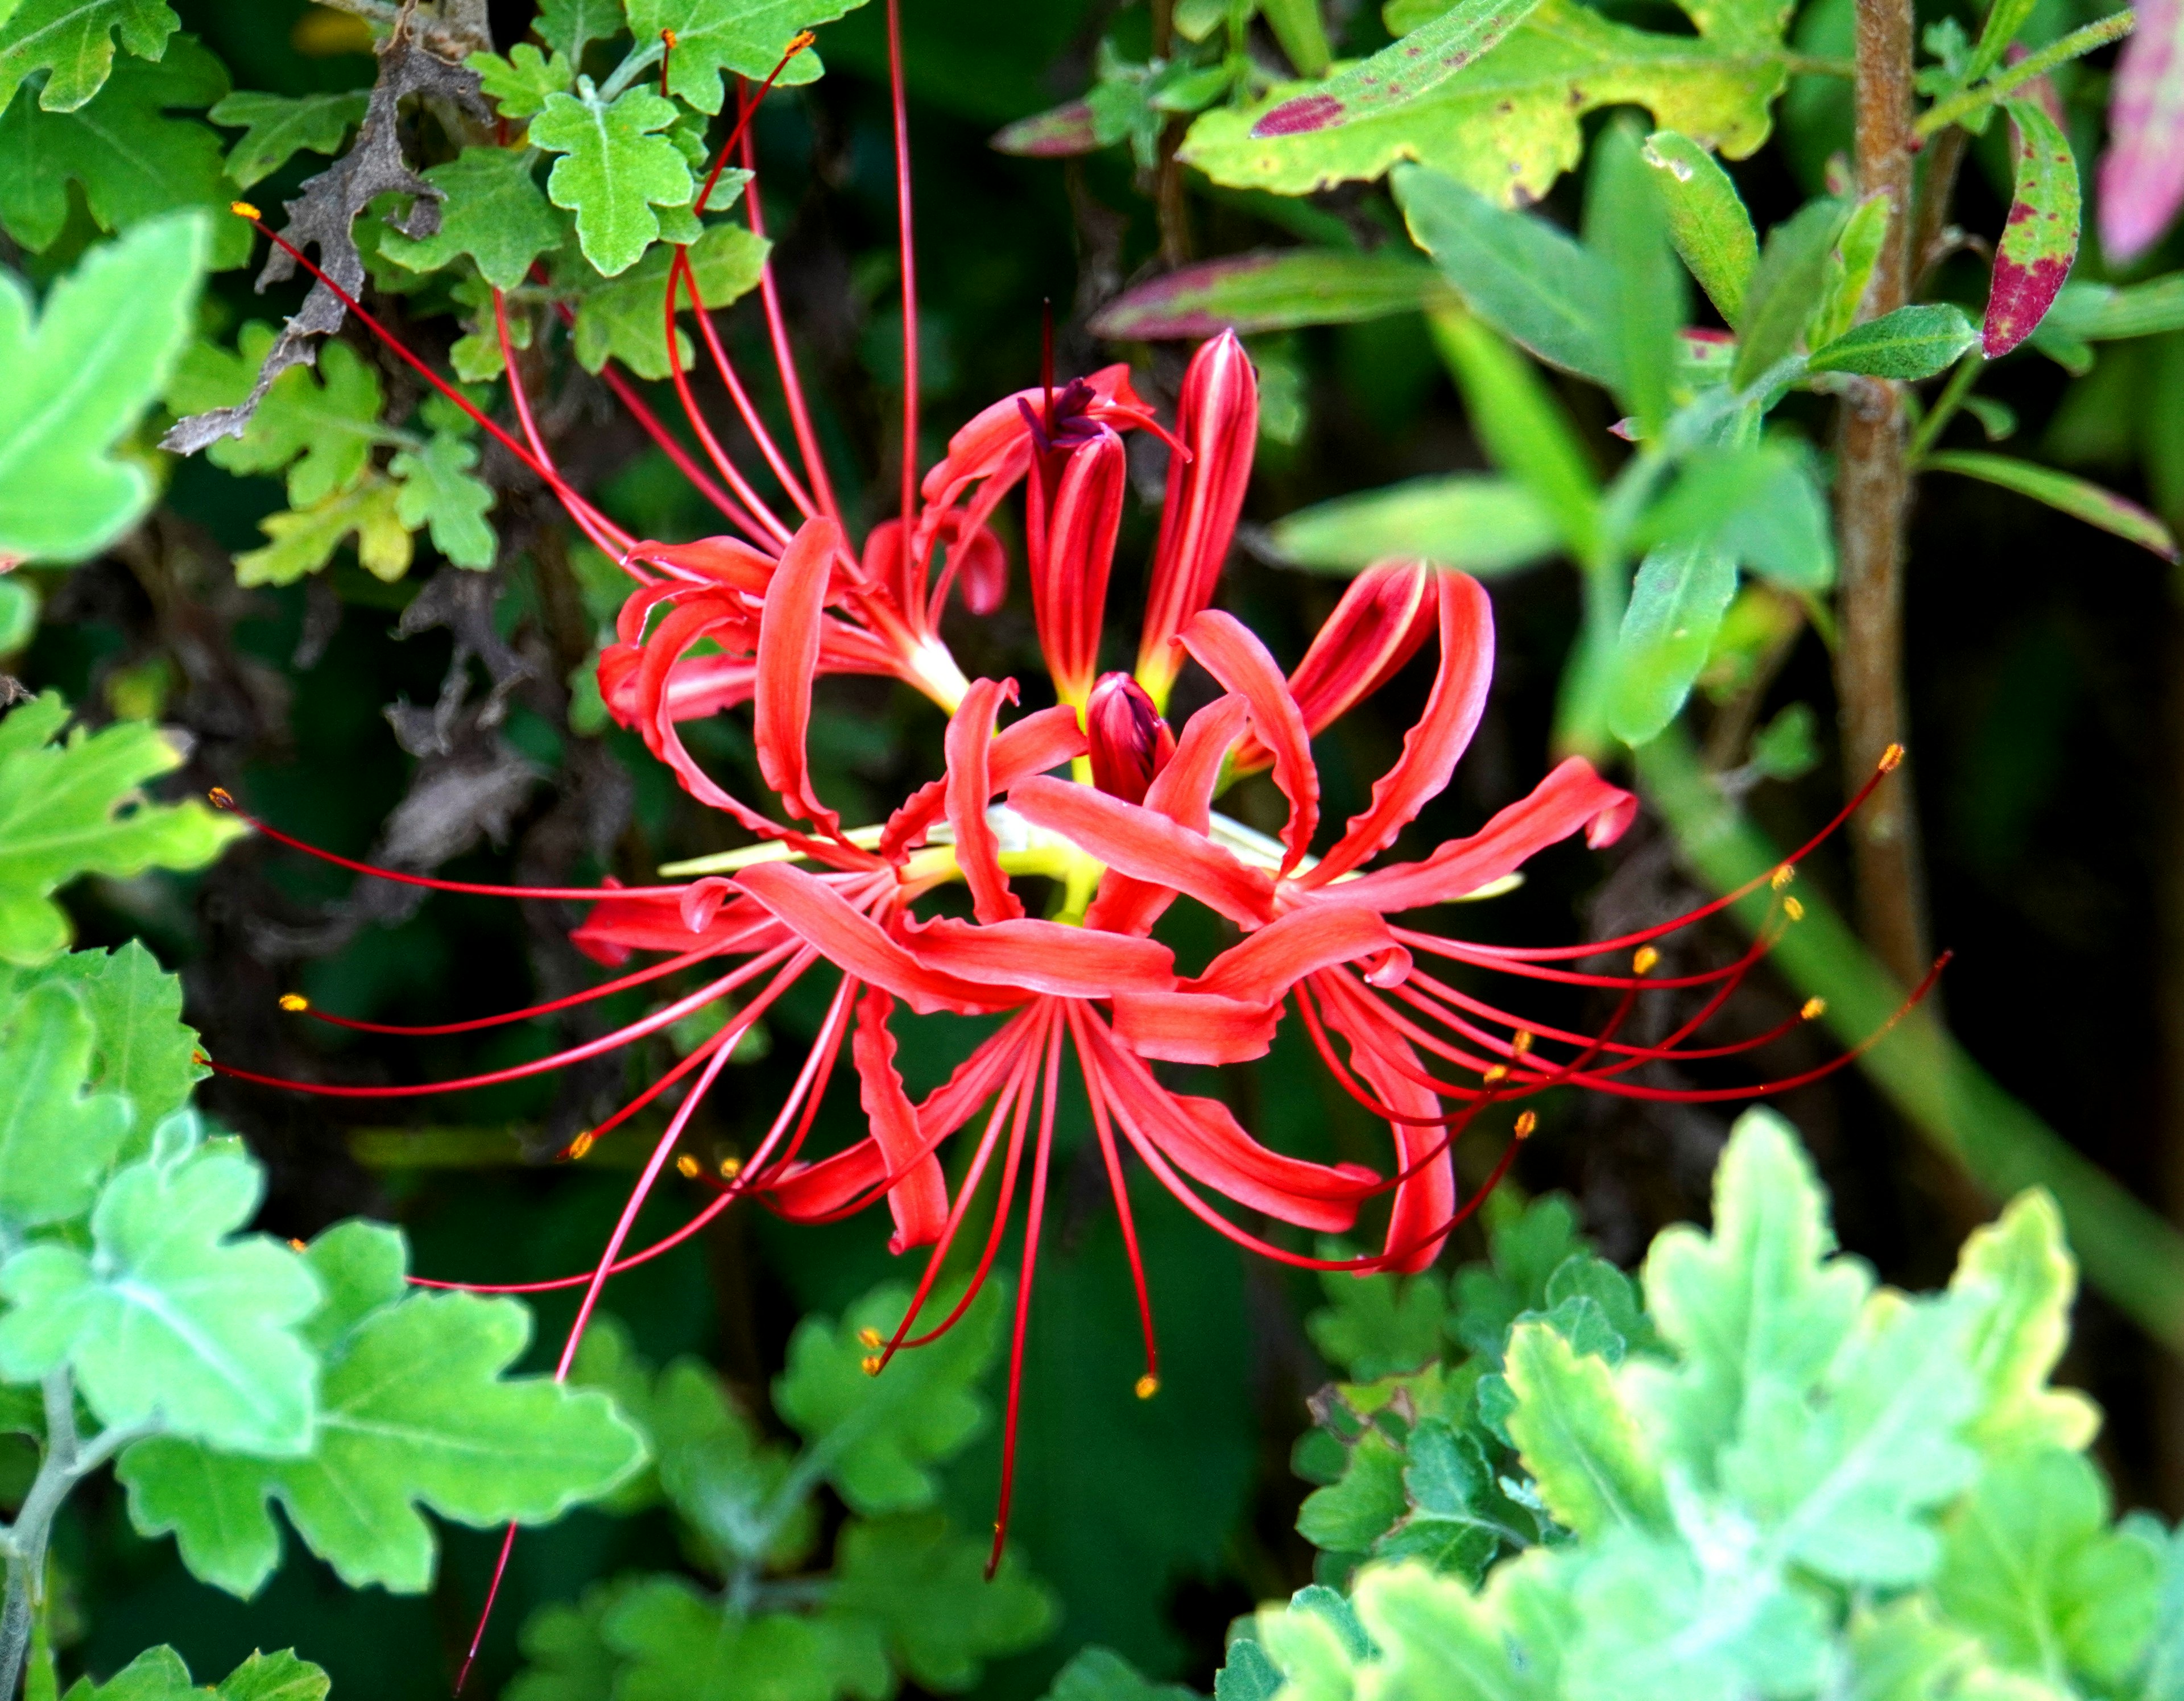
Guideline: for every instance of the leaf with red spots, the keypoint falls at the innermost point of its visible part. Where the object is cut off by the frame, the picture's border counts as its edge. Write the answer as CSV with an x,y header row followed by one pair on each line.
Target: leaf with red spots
x,y
1401,71
2042,238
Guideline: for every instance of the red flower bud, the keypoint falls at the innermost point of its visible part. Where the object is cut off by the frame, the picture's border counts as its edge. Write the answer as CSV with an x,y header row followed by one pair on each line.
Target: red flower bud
x,y
1073,514
1217,422
1130,742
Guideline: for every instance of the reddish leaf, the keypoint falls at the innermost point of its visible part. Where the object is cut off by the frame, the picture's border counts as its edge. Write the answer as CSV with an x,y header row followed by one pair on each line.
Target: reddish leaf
x,y
2041,240
1272,292
2142,175
1056,133
1403,71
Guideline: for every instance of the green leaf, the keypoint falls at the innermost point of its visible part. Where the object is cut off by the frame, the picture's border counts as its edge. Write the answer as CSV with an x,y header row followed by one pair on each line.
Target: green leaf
x,y
614,172
1677,601
438,489
566,1646
276,127
1100,1673
1786,747
140,1044
1850,270
745,37
1352,1513
568,26
2060,490
683,1647
1373,1325
1523,428
319,424
1788,282
1438,1638
276,1677
1274,290
1525,278
1508,125
303,540
173,1322
1627,227
1400,74
1757,1308
1595,1467
925,1586
1760,504
883,1433
80,374
1456,1520
1912,342
129,160
1527,1248
2030,1563
1707,219
493,211
2020,1279
2095,312
56,1139
624,320
519,84
75,808
1472,521
2039,239
158,1673
415,1409
74,39
19,616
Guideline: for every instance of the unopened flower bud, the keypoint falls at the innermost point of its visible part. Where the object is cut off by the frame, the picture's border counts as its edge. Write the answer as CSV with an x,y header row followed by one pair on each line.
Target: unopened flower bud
x,y
1129,742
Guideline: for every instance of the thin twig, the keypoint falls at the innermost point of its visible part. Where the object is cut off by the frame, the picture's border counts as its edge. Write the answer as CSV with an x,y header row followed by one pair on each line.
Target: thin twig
x,y
2097,34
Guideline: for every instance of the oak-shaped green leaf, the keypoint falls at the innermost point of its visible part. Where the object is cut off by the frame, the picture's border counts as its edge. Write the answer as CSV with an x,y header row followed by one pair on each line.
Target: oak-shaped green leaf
x,y
883,1433
2019,1278
626,320
56,1139
1435,1636
74,39
1527,1248
158,1673
319,422
1353,1512
415,1410
140,1046
1595,1466
1373,1325
1458,1519
742,37
2030,1563
80,375
173,1321
276,127
1757,1308
1507,124
304,539
678,1645
492,210
519,84
924,1585
75,808
439,489
614,170
568,26
275,1677
129,160
566,1646
1100,1673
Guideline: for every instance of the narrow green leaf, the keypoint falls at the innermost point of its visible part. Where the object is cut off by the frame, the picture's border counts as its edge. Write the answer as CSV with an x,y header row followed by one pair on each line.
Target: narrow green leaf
x,y
75,39
1850,270
1401,72
81,374
1910,342
2060,490
276,127
1627,227
1761,505
1677,601
1792,273
2100,312
2005,22
1528,280
2040,240
56,1139
1707,219
1273,290
1468,521
615,169
1300,34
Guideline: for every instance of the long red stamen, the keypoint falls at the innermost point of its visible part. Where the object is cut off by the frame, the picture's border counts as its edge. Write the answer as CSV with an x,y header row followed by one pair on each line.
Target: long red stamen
x,y
1149,1384
903,225
1035,1214
777,533
585,517
294,1003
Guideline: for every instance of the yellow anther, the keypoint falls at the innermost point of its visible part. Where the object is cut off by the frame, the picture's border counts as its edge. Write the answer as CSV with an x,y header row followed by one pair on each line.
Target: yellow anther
x,y
1793,909
1782,877
872,1361
669,37
731,1167
1521,1042
297,1246
1526,1123
800,42
578,1146
869,1337
687,1165
1815,1008
1148,1385
1891,758
243,209
1495,1076
221,797
1643,959
197,1057
294,1001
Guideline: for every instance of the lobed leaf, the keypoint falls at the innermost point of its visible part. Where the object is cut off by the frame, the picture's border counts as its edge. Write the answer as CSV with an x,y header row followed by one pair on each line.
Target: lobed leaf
x,y
320,425
519,84
140,1046
276,127
680,1646
1374,1325
625,319
490,209
304,539
1100,1673
72,40
2020,1279
568,26
716,38
57,1139
439,490
1275,290
922,1585
1595,1467
75,808
615,169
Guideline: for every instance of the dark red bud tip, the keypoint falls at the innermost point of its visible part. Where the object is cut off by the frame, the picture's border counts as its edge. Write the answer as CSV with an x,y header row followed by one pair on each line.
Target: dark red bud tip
x,y
1297,117
1129,742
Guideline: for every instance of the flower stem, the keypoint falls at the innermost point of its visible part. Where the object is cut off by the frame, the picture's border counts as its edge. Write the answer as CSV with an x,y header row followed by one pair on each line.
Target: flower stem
x,y
2097,34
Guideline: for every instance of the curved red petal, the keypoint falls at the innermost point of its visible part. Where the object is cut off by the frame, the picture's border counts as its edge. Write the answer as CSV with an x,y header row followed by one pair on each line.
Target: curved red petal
x,y
854,943
1186,1027
969,747
1318,935
1146,844
1042,956
788,638
1387,613
1425,1198
1183,791
919,1197
1228,649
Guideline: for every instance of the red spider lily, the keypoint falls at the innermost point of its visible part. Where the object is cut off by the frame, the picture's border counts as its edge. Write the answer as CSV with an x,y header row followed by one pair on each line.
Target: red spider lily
x,y
756,618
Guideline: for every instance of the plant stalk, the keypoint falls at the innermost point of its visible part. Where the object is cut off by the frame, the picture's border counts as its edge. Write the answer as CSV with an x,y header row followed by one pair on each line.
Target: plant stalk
x,y
1872,502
